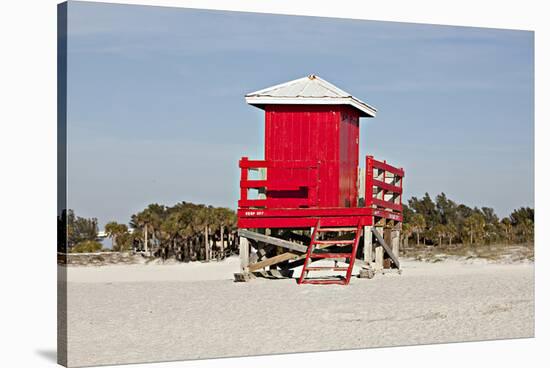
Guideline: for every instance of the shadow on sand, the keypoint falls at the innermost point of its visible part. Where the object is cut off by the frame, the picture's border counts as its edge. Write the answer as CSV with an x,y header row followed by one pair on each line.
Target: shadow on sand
x,y
50,355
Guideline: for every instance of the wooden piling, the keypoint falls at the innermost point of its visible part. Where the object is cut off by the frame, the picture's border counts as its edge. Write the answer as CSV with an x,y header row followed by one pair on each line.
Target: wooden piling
x,y
244,252
379,258
367,245
395,235
379,252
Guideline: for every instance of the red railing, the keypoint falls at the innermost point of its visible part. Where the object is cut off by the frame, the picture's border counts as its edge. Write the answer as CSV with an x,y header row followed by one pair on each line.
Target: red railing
x,y
287,183
383,185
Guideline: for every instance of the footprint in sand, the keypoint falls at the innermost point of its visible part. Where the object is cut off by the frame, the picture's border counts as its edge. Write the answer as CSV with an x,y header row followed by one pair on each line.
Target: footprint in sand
x,y
497,308
433,316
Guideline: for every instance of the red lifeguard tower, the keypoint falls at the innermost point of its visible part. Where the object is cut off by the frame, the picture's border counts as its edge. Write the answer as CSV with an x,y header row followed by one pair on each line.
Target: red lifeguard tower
x,y
313,202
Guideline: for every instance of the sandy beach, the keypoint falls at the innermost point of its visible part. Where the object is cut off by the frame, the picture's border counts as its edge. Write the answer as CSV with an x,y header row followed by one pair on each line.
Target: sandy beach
x,y
141,313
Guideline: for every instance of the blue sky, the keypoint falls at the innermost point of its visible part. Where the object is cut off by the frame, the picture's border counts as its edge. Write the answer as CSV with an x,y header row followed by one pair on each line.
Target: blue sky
x,y
156,111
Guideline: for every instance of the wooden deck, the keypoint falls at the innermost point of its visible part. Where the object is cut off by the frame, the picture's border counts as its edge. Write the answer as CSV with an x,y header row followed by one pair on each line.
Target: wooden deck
x,y
307,217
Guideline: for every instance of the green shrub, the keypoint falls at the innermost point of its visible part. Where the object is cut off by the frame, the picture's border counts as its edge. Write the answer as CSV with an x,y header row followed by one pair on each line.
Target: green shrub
x,y
87,246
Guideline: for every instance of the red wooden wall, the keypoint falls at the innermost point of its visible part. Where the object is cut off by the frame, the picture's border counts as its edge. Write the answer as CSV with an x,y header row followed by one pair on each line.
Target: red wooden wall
x,y
328,134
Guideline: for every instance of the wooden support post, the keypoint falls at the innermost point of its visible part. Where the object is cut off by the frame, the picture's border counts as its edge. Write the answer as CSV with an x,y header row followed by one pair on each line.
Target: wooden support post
x,y
367,245
395,235
278,250
244,252
388,239
379,258
272,240
386,246
379,253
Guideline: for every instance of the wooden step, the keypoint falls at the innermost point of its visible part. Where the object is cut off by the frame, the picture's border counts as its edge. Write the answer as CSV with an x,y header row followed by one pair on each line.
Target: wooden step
x,y
312,256
335,242
321,268
325,282
330,255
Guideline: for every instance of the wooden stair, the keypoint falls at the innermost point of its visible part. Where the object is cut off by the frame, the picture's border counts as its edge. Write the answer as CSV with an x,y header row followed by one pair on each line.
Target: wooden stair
x,y
313,254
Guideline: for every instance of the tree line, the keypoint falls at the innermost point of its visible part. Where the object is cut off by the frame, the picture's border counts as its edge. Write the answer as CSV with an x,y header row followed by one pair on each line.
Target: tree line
x,y
446,221
77,234
189,232
185,231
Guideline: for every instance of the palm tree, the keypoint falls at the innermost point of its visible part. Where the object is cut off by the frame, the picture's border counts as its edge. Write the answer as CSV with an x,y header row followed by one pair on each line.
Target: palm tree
x,y
526,229
114,230
469,228
142,221
490,232
168,234
156,214
224,217
186,213
451,232
474,226
439,231
406,232
418,223
506,226
149,220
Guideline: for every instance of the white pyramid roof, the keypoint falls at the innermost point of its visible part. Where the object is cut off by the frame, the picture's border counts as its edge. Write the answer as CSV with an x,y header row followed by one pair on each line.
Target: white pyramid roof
x,y
310,90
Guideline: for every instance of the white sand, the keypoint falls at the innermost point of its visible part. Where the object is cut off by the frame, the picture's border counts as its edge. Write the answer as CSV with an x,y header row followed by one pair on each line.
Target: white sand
x,y
141,313
172,271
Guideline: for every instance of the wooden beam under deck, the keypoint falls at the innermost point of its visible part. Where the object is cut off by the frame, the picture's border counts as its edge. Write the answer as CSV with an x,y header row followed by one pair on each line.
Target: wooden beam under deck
x,y
272,240
274,260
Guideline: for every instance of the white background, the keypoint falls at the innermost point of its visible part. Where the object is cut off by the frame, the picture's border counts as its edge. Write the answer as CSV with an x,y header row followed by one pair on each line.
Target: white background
x,y
28,180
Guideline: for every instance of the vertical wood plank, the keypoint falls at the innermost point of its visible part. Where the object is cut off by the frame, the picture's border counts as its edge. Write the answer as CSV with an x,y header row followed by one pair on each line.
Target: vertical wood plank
x,y
395,235
379,258
244,252
367,245
379,251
